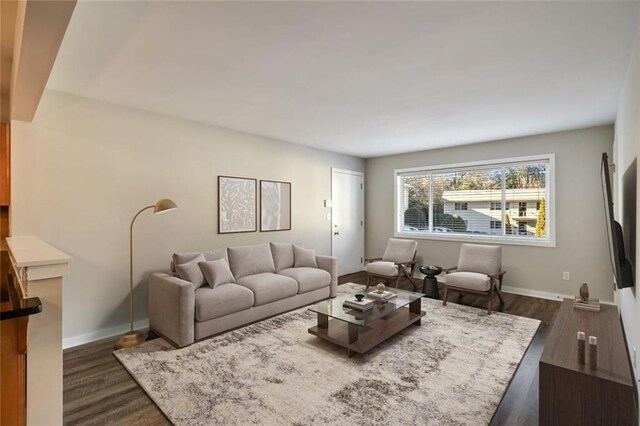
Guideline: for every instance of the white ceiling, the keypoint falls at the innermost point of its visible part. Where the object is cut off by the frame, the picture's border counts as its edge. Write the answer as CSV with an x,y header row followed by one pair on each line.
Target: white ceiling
x,y
366,79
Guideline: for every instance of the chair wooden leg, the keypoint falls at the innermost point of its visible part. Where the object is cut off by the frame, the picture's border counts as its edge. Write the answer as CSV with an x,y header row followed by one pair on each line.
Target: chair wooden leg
x,y
410,278
490,301
444,297
413,269
500,296
368,281
398,279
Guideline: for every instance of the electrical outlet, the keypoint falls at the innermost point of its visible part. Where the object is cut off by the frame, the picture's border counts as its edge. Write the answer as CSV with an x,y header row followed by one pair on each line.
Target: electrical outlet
x,y
566,276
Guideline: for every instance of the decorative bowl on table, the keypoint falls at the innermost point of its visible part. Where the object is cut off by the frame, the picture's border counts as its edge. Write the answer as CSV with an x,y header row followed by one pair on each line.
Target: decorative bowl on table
x,y
359,297
430,270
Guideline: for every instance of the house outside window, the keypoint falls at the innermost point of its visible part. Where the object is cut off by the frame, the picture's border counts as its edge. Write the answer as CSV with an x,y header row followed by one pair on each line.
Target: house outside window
x,y
522,208
492,200
460,206
522,228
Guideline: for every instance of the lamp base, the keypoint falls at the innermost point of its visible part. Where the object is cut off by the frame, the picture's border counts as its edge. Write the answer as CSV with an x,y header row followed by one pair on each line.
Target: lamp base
x,y
132,338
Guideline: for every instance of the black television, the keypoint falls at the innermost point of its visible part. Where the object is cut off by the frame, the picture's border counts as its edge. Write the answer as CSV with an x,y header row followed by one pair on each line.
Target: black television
x,y
621,265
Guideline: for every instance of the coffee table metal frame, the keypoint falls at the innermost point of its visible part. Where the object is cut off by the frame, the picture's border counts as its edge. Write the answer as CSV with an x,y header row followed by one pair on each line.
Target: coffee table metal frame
x,y
359,332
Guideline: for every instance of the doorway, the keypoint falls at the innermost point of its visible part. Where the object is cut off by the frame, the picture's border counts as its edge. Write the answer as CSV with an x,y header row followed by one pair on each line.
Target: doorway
x,y
347,220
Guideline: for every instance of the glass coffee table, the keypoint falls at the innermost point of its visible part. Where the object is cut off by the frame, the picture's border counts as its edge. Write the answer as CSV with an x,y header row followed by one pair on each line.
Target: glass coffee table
x,y
359,331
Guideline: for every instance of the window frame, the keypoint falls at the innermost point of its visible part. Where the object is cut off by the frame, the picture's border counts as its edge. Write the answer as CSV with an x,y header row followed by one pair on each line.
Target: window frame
x,y
548,241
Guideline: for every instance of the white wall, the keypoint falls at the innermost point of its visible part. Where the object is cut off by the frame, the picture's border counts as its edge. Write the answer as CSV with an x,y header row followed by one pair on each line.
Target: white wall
x,y
627,212
82,169
581,240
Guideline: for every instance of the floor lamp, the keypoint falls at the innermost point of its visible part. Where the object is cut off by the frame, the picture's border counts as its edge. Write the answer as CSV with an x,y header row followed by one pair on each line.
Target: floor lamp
x,y
134,338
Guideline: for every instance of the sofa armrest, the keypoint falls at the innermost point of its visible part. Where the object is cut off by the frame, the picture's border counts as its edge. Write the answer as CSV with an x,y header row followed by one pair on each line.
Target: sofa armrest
x,y
329,264
172,308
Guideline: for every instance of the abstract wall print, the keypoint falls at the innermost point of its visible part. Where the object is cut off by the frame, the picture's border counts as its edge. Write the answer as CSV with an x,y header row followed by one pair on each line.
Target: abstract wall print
x,y
237,204
275,206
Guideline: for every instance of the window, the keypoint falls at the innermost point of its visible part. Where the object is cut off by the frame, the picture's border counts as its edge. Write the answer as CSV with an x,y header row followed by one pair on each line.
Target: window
x,y
522,228
522,208
473,201
460,206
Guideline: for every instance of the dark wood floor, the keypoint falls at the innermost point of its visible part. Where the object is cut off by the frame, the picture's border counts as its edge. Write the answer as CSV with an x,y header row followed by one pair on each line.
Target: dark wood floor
x,y
98,390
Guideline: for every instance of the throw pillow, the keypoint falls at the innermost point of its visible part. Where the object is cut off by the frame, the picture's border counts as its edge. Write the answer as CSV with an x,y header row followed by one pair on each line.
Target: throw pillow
x,y
181,258
304,257
282,255
190,271
216,272
250,260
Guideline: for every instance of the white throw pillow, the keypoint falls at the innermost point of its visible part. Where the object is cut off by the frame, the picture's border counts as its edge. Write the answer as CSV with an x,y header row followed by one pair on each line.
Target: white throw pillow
x,y
216,272
190,271
304,257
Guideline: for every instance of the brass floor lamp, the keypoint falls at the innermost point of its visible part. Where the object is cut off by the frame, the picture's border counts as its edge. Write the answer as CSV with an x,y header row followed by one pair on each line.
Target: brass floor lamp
x,y
134,338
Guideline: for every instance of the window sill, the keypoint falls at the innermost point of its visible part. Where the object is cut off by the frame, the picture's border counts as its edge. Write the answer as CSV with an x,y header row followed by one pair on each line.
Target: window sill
x,y
481,239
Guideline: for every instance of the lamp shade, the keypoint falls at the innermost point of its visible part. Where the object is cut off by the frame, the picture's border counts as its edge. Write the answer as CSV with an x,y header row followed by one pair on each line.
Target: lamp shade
x,y
164,205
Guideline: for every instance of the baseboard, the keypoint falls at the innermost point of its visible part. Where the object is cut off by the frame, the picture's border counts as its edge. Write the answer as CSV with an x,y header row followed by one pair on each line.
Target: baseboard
x,y
70,342
543,294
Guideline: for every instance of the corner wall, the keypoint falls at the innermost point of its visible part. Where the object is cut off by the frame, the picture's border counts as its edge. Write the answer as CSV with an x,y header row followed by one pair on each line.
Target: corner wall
x,y
627,210
83,168
581,239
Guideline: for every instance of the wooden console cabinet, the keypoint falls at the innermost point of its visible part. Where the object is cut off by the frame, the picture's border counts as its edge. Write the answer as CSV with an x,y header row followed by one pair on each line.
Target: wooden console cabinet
x,y
574,394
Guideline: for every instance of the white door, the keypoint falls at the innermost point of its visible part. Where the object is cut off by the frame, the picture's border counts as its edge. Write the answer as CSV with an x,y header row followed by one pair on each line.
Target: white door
x,y
347,220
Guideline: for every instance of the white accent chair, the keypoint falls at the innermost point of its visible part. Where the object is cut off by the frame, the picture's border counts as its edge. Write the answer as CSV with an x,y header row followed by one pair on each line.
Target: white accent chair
x,y
478,272
398,260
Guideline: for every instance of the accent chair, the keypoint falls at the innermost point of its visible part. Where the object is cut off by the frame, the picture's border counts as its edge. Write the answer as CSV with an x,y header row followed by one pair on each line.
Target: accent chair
x,y
479,272
398,260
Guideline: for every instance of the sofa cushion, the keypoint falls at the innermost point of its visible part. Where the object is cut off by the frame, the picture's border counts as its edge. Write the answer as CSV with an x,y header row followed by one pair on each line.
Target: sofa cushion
x,y
250,260
282,255
216,272
303,257
399,250
180,258
388,269
480,258
309,279
268,287
190,271
223,300
468,280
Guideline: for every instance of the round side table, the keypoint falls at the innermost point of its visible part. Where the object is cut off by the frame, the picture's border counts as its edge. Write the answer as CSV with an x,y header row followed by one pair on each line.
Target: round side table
x,y
430,282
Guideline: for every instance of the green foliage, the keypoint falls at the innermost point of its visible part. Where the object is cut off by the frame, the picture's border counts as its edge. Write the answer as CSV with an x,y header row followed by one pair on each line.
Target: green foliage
x,y
525,177
415,216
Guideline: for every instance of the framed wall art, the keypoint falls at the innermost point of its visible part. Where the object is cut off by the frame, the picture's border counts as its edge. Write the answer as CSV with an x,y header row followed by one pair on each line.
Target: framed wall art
x,y
237,204
275,206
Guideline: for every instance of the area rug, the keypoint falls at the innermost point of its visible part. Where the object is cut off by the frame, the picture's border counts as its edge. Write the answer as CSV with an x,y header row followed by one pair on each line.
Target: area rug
x,y
453,369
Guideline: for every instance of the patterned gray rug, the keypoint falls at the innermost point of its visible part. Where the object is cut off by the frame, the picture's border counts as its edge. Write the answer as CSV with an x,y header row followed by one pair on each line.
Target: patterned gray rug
x,y
453,369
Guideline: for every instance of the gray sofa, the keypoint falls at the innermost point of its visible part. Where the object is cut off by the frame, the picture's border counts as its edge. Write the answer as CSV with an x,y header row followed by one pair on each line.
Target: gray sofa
x,y
267,282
